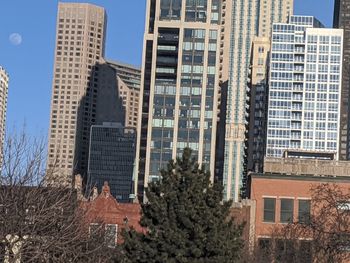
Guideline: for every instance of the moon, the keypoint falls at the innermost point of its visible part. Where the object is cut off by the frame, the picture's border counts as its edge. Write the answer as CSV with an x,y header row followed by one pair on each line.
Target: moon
x,y
15,39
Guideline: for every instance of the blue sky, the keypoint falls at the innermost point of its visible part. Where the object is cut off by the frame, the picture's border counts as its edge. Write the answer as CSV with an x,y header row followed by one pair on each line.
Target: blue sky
x,y
30,63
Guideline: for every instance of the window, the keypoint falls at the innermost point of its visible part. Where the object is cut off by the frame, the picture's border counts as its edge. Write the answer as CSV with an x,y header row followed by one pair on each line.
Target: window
x,y
287,210
344,206
304,211
170,9
305,251
265,246
111,235
269,209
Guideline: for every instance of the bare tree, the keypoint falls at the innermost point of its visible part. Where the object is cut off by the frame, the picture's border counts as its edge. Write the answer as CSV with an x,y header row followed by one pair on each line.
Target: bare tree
x,y
328,227
39,222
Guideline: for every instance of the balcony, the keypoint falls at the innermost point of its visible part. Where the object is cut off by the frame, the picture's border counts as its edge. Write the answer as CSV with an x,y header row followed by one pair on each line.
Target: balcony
x,y
296,126
299,69
295,136
297,87
299,50
296,117
298,78
297,107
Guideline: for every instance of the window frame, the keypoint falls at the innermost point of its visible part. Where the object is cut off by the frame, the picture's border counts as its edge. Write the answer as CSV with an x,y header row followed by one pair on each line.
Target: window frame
x,y
265,220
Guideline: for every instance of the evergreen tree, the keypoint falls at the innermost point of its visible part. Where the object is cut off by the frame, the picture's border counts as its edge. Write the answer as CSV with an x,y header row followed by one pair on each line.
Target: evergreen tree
x,y
185,218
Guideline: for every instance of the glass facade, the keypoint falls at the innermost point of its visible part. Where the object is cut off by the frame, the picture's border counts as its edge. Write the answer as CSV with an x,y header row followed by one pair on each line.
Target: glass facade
x,y
182,87
304,87
196,10
111,159
170,9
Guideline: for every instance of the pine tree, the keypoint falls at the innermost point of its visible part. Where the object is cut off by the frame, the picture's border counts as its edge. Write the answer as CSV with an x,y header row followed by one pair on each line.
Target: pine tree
x,y
185,218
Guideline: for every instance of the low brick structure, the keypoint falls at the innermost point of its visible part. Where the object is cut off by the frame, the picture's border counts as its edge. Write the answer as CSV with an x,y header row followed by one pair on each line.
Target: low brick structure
x,y
277,187
104,209
281,199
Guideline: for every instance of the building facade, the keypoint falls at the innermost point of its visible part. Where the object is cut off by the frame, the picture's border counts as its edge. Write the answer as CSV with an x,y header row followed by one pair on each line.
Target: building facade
x,y
80,36
272,11
302,166
112,158
258,93
246,19
104,209
342,21
304,87
179,85
129,81
4,84
288,199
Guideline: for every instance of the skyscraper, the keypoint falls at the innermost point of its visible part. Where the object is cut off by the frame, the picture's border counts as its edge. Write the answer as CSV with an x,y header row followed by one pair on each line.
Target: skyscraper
x,y
179,85
4,82
304,88
342,21
258,93
272,11
80,40
112,158
246,19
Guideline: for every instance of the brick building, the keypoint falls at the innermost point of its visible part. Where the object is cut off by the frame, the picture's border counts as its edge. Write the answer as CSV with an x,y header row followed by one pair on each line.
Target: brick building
x,y
281,199
104,209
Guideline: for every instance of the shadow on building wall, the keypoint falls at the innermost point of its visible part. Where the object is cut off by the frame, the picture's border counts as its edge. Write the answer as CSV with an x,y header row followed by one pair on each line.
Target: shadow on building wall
x,y
100,103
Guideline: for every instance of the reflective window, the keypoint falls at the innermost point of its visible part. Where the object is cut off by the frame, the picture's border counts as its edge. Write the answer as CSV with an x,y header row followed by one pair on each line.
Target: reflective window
x,y
170,9
196,10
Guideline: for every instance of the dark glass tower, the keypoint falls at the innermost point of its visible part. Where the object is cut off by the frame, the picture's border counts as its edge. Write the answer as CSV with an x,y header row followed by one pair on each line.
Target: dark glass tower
x,y
111,159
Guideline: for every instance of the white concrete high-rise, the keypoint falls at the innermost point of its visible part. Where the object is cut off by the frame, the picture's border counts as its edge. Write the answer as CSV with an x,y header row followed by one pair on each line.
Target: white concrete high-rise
x,y
304,88
244,20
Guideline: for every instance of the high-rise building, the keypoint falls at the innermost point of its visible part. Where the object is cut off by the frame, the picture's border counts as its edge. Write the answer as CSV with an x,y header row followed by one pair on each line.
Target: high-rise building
x,y
112,159
4,82
304,88
129,81
80,76
342,21
258,93
243,20
179,85
272,11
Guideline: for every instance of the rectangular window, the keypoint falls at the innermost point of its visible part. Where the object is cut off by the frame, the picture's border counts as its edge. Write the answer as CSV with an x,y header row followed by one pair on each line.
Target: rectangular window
x,y
269,209
304,211
287,207
265,246
111,235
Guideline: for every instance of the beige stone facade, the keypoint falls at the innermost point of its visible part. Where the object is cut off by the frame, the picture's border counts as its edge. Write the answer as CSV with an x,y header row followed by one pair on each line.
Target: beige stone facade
x,y
80,36
128,79
299,166
4,83
258,86
272,11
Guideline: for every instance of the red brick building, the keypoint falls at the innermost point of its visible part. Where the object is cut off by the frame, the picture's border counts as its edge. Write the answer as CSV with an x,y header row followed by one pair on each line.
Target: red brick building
x,y
282,199
105,210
